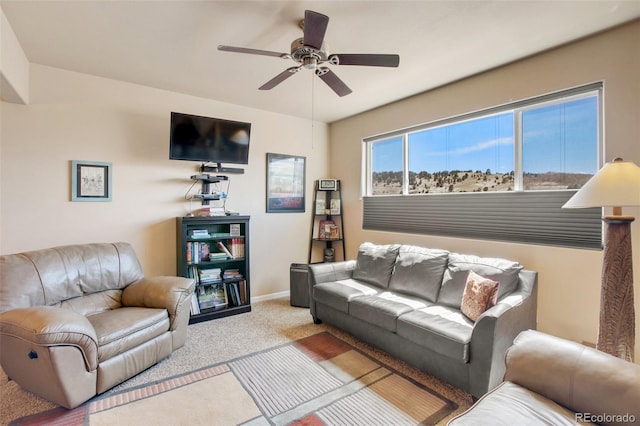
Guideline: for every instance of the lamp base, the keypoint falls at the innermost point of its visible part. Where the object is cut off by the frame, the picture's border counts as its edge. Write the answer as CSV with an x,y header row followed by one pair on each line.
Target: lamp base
x,y
616,335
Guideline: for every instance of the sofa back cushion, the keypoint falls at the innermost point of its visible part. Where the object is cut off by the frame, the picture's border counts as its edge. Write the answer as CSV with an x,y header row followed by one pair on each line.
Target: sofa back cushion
x,y
374,264
418,271
54,275
455,277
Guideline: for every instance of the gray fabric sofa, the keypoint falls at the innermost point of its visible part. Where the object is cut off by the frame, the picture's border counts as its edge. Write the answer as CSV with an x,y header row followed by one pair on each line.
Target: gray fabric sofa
x,y
554,381
406,300
77,320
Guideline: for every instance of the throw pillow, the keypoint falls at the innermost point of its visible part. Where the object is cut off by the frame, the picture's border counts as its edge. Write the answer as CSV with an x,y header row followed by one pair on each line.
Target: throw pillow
x,y
502,270
375,263
480,294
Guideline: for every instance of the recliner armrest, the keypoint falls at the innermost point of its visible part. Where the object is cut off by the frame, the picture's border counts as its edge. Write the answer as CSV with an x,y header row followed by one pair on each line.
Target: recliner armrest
x,y
52,326
170,293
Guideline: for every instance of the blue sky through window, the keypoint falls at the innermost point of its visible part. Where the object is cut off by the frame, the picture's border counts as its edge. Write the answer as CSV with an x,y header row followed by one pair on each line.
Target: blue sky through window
x,y
556,138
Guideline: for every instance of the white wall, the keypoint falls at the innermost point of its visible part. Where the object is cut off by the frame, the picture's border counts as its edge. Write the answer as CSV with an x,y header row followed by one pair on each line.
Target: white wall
x,y
14,65
569,279
74,116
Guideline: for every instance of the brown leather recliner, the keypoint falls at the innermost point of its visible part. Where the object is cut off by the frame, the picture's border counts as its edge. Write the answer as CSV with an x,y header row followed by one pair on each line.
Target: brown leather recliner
x,y
77,320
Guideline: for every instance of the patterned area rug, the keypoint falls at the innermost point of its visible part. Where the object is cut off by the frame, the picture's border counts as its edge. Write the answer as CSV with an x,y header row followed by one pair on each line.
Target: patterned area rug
x,y
318,380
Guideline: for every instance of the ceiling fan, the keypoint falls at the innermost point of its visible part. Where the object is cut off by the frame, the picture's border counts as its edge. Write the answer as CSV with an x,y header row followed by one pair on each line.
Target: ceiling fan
x,y
309,52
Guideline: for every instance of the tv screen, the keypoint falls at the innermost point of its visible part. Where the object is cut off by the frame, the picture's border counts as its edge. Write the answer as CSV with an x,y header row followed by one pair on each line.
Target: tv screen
x,y
208,140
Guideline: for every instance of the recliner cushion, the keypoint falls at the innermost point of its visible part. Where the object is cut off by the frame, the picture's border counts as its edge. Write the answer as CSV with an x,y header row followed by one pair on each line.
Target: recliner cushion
x,y
443,330
375,263
455,277
383,309
419,271
121,329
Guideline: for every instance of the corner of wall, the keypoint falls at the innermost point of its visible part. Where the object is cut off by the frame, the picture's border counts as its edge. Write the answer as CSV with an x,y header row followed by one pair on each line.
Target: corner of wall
x,y
14,66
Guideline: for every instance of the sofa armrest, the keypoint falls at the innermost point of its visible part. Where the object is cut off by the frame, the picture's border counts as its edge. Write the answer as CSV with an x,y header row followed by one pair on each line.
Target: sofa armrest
x,y
327,272
585,380
170,293
330,271
50,326
495,330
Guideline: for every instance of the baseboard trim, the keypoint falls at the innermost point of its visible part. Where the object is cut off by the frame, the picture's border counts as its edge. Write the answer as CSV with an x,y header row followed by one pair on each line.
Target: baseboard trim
x,y
270,296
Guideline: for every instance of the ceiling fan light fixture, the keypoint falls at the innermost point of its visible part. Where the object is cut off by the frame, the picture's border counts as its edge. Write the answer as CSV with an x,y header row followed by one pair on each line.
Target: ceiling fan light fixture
x,y
310,62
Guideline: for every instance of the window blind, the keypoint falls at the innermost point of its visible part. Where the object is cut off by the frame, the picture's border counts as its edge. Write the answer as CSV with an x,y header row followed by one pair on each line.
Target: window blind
x,y
534,217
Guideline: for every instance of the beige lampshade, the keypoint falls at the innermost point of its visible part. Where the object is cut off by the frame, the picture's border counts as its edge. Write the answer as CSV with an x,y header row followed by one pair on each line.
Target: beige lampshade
x,y
617,184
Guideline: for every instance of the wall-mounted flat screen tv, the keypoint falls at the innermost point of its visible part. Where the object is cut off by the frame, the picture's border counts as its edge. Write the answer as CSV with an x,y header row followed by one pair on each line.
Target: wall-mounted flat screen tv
x,y
209,140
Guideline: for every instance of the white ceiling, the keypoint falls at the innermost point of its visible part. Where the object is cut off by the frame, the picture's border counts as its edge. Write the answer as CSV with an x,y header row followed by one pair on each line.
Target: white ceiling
x,y
172,45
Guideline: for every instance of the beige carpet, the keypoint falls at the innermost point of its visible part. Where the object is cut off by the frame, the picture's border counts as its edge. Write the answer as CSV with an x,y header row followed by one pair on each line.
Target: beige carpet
x,y
271,324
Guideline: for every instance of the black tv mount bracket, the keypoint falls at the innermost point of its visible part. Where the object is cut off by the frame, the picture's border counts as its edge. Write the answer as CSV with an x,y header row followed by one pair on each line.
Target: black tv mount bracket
x,y
219,169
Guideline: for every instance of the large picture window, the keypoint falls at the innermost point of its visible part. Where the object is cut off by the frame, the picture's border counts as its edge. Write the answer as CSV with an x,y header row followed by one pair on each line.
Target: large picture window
x,y
541,149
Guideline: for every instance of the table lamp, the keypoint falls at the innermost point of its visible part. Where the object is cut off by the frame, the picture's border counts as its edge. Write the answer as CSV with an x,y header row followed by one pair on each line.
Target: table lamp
x,y
616,184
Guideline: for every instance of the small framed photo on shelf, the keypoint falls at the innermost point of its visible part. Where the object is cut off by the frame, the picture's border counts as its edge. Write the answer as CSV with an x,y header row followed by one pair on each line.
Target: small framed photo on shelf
x,y
91,181
335,206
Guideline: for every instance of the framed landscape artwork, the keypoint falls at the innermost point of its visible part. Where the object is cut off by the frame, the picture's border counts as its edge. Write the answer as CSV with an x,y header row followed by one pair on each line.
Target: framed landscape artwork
x,y
91,181
285,183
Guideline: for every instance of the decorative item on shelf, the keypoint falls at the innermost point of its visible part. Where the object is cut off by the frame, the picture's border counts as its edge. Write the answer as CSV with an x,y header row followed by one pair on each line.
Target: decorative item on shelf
x,y
616,184
329,254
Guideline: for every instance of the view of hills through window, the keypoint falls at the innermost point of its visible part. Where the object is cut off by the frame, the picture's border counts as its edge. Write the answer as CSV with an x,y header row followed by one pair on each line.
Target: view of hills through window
x,y
559,151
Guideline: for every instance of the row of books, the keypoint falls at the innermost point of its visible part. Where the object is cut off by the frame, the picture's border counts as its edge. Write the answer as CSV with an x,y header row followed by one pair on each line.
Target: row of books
x,y
219,296
234,231
213,275
198,252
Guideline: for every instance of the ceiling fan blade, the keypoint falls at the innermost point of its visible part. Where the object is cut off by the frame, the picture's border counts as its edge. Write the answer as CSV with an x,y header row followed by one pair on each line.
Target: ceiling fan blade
x,y
315,26
252,51
372,60
279,78
333,81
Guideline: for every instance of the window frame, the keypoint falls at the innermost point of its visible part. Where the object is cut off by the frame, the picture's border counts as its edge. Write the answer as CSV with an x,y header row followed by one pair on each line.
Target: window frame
x,y
585,221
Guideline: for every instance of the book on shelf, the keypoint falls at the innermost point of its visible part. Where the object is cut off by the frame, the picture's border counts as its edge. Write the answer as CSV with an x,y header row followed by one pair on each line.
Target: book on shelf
x,y
197,252
328,230
320,206
234,230
235,293
195,306
208,276
224,249
236,247
212,296
231,274
217,256
199,233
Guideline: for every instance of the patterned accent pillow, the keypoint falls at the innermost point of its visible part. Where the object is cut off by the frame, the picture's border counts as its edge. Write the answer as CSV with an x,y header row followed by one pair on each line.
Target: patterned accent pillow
x,y
480,294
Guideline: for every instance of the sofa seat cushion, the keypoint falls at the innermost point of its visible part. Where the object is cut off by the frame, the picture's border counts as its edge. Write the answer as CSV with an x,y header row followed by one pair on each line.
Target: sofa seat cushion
x,y
383,309
121,329
442,329
338,294
418,271
510,404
